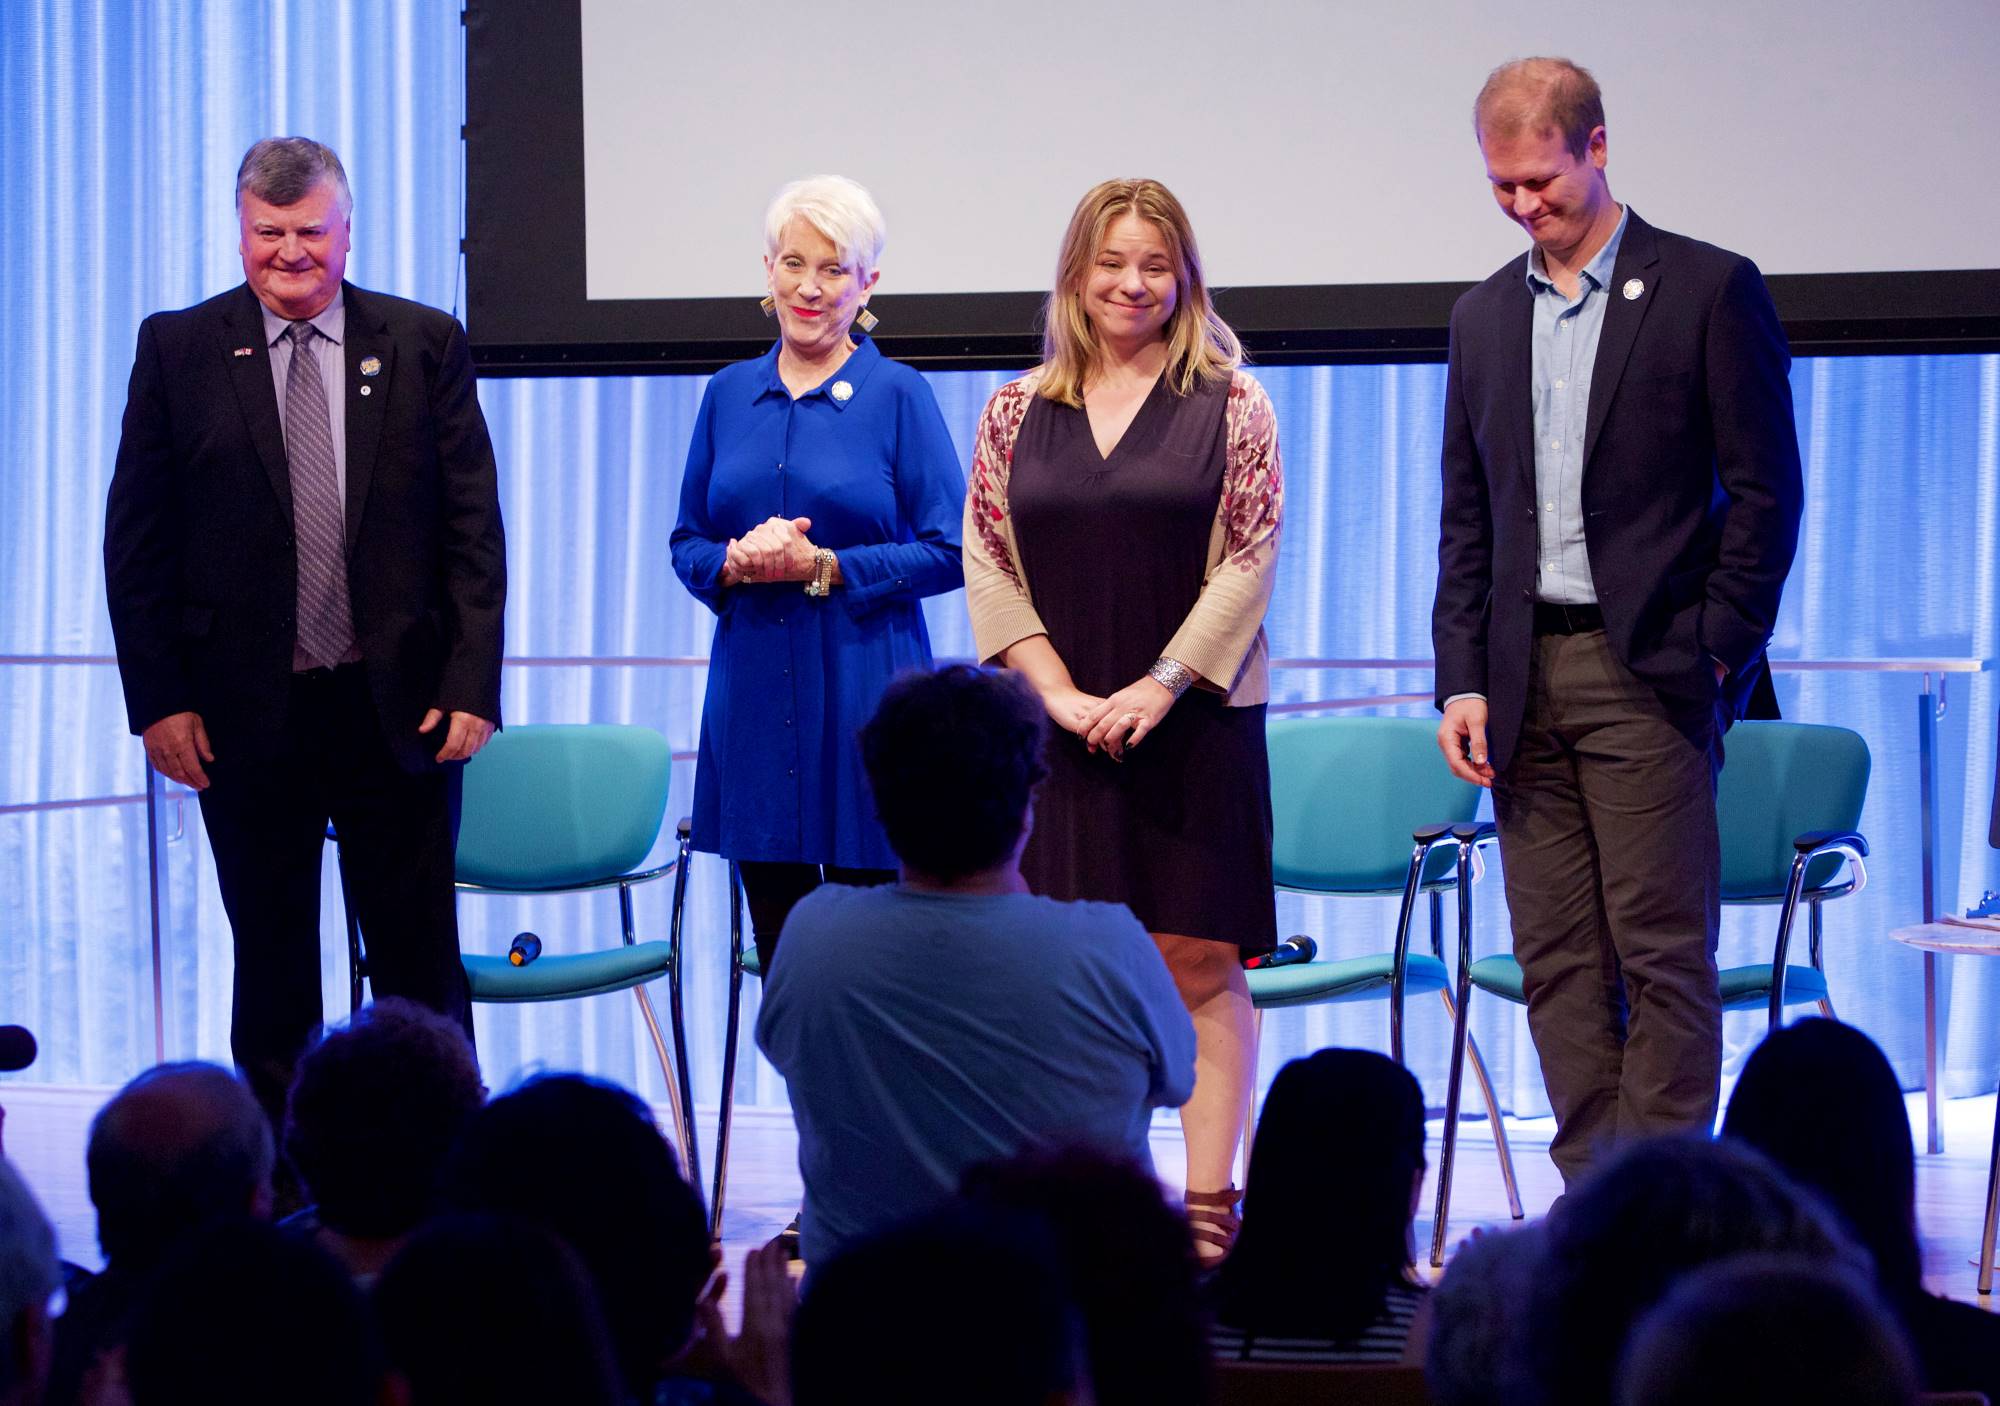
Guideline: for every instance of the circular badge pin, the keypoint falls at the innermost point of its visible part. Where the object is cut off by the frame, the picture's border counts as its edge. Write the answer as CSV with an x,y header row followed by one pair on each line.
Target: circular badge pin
x,y
371,365
366,389
842,391
1633,288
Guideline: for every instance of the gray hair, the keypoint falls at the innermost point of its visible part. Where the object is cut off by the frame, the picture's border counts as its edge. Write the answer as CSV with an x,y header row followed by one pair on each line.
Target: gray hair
x,y
285,170
841,210
28,1273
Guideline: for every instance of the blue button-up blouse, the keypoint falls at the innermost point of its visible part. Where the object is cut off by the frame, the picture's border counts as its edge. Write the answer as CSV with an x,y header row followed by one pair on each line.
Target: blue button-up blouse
x,y
792,678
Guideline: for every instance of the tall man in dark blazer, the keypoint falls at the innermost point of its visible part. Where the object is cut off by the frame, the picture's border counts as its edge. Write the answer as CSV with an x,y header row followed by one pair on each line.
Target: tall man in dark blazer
x,y
1621,505
306,573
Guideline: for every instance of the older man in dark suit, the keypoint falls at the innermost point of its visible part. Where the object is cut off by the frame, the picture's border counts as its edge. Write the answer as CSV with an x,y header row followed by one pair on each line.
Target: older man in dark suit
x,y
1621,506
306,573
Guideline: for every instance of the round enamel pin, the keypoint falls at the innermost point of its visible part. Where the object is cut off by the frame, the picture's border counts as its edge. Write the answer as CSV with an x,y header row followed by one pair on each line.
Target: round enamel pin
x,y
366,389
1633,288
842,391
372,365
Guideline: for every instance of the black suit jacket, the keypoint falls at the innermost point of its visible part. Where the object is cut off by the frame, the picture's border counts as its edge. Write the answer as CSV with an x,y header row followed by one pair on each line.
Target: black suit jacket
x,y
201,568
1691,482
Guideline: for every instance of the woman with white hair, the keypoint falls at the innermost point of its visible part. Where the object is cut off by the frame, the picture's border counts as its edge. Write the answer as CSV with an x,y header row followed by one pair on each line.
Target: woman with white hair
x,y
821,503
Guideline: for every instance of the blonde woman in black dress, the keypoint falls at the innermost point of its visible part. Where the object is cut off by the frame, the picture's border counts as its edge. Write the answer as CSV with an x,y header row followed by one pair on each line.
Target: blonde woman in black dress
x,y
1121,541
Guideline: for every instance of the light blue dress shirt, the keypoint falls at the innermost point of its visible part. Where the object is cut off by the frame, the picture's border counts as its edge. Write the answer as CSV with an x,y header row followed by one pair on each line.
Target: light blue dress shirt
x,y
1563,344
331,324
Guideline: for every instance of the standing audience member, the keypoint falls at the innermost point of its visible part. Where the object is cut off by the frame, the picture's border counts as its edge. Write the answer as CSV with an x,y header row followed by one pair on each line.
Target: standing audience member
x,y
966,1305
1763,1328
1620,507
952,1018
374,1111
819,506
1651,1213
179,1146
242,1314
306,574
28,1277
1129,1262
1477,1352
449,1299
1121,543
1820,1100
584,1160
1296,1289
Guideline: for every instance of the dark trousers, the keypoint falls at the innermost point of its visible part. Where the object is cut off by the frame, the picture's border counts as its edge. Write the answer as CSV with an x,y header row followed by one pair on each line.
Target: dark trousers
x,y
1613,873
266,825
771,888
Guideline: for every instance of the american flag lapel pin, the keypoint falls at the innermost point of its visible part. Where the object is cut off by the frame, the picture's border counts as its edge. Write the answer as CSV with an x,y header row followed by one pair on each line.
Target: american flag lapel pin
x,y
244,351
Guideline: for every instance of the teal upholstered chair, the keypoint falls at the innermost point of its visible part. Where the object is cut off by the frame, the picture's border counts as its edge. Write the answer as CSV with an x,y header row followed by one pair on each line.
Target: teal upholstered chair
x,y
1788,802
574,809
1364,807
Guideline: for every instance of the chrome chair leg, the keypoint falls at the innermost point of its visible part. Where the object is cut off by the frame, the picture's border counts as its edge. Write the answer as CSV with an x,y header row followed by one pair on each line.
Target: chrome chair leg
x,y
683,1122
1786,913
1992,1214
1454,1085
1499,1127
724,1117
679,1099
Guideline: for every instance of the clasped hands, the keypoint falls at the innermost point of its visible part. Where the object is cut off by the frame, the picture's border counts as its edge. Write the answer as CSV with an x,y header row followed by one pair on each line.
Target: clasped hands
x,y
776,549
1111,724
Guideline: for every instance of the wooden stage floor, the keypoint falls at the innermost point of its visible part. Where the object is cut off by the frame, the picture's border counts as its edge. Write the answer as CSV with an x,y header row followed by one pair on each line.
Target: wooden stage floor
x,y
46,1126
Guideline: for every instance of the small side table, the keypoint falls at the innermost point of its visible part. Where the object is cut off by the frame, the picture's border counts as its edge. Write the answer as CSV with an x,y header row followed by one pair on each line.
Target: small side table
x,y
1953,940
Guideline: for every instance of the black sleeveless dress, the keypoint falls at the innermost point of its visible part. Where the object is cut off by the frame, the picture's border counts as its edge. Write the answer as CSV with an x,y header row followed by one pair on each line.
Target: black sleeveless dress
x,y
1113,550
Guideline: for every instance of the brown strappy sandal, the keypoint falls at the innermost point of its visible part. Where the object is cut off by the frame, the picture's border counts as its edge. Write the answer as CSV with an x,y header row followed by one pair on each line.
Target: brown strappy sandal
x,y
1213,1222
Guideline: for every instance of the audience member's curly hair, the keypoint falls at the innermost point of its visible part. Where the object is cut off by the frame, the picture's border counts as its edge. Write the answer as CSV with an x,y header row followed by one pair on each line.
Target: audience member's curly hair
x,y
584,1159
1129,1261
953,759
374,1109
1292,1274
1654,1211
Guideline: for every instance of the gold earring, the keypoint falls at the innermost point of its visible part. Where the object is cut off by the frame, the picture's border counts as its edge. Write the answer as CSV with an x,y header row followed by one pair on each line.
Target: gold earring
x,y
769,303
866,320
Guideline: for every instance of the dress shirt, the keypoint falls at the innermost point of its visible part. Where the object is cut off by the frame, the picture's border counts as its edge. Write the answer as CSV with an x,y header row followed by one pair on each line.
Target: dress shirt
x,y
1563,347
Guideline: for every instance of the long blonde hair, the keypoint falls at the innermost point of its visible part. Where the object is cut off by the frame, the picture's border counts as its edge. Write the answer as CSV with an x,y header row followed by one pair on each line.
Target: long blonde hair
x,y
1200,345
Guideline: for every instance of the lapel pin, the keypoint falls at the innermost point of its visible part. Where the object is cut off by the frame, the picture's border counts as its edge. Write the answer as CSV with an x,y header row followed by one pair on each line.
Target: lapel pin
x,y
244,351
372,365
366,389
1633,288
842,391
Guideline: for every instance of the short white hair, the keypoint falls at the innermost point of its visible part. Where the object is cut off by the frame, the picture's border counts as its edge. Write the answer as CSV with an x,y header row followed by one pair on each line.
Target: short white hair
x,y
28,1271
841,210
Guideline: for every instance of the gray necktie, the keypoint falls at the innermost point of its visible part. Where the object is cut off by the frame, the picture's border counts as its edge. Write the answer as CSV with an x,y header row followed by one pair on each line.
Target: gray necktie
x,y
326,621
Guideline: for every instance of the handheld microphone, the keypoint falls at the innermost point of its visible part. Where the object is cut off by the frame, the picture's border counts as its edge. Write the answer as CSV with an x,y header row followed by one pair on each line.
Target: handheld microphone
x,y
1290,952
526,948
17,1048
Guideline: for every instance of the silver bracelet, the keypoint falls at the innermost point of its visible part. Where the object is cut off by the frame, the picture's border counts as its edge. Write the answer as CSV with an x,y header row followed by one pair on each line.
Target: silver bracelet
x,y
1171,675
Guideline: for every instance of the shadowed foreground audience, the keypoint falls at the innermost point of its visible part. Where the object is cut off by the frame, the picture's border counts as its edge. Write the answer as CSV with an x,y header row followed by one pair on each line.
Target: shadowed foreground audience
x,y
178,1147
1765,1328
492,1311
27,1278
1477,1353
374,1110
1340,1128
1820,1100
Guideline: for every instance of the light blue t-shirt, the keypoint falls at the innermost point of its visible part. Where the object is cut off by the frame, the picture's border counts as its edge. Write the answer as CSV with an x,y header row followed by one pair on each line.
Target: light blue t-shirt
x,y
923,1033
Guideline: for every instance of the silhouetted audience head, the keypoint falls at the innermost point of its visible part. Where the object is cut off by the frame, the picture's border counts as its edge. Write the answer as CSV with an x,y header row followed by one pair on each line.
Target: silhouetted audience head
x,y
1820,1100
1339,1128
483,1310
1476,1355
968,1305
375,1108
953,759
1129,1262
584,1160
243,1314
1763,1328
28,1276
180,1145
1655,1210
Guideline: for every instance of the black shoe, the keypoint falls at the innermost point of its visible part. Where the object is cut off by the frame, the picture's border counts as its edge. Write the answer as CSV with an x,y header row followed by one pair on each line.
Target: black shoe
x,y
789,1238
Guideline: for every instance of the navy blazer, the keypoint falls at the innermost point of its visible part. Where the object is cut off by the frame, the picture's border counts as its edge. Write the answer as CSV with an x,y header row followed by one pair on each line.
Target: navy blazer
x,y
201,569
1691,480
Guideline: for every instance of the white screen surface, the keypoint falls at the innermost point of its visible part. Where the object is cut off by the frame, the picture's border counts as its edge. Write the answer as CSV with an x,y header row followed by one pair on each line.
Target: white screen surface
x,y
1312,143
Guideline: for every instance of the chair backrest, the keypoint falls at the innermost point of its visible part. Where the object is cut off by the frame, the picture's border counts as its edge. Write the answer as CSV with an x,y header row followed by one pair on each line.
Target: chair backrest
x,y
552,806
1345,794
1778,781
1283,1384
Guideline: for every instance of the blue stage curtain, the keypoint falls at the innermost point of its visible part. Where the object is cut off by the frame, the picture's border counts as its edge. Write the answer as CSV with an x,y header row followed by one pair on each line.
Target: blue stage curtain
x,y
125,124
